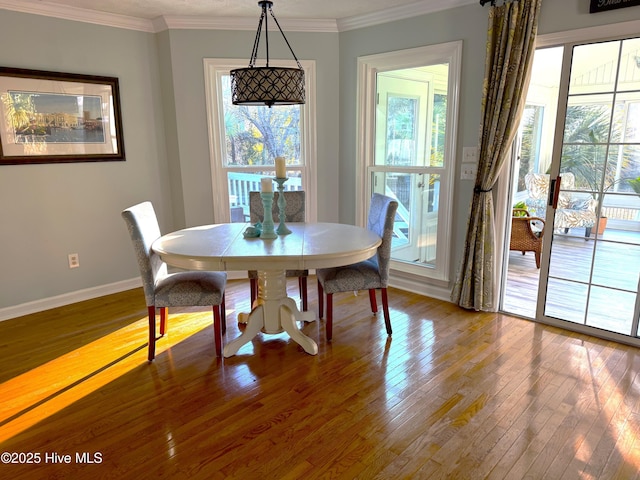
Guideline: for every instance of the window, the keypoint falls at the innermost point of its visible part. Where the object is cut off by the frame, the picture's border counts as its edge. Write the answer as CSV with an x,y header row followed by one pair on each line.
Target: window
x,y
407,130
245,140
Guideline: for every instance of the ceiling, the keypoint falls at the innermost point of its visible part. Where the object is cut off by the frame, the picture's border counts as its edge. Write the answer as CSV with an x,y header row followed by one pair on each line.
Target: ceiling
x,y
298,9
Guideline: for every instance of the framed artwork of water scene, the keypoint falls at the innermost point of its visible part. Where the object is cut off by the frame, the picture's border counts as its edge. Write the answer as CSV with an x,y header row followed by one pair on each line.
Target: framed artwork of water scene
x,y
54,117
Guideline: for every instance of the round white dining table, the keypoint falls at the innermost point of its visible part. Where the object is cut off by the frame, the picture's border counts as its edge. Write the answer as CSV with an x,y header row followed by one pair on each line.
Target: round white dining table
x,y
223,247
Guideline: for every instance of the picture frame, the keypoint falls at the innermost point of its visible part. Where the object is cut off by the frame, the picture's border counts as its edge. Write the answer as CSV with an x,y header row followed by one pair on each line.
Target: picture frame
x,y
597,6
54,117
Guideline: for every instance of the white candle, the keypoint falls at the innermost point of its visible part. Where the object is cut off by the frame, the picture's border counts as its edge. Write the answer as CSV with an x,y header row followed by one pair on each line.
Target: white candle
x,y
266,185
281,169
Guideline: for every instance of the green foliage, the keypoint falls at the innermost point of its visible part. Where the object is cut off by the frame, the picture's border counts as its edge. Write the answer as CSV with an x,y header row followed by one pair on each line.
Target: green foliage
x,y
521,205
585,125
584,153
635,184
438,129
531,124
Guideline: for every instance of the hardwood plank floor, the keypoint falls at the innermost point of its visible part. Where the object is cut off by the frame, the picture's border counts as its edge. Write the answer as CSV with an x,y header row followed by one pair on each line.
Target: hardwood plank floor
x,y
454,394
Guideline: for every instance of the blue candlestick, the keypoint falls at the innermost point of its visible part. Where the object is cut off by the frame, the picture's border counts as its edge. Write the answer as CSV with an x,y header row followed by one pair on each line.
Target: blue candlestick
x,y
267,224
282,205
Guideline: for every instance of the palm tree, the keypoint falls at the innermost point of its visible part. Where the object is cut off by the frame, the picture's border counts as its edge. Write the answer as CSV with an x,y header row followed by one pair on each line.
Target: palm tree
x,y
584,152
635,184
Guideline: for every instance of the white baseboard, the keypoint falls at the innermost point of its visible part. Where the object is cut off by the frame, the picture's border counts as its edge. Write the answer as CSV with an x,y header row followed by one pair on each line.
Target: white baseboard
x,y
80,296
419,286
403,283
68,298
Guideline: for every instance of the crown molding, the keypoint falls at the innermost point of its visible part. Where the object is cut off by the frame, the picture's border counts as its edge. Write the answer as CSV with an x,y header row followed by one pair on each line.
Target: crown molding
x,y
37,7
399,13
243,23
78,14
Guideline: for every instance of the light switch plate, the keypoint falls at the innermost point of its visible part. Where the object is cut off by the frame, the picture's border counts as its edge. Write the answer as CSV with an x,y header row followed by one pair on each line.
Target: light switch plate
x,y
469,155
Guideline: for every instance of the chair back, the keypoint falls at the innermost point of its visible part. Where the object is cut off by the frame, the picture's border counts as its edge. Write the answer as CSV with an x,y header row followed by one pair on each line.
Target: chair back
x,y
293,212
566,199
537,185
538,188
143,227
382,214
522,237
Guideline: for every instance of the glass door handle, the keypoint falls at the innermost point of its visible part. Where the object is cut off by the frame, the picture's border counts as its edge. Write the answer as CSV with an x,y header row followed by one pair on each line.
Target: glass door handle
x,y
554,192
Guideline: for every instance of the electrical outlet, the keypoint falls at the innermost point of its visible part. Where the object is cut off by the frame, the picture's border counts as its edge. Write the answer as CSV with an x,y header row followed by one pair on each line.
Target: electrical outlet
x,y
74,260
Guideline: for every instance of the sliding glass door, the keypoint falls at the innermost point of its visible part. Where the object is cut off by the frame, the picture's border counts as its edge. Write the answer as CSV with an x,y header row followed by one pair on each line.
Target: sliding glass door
x,y
593,248
577,170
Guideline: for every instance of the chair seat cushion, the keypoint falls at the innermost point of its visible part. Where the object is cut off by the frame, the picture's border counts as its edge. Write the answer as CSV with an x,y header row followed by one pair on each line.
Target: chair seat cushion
x,y
184,289
568,218
358,276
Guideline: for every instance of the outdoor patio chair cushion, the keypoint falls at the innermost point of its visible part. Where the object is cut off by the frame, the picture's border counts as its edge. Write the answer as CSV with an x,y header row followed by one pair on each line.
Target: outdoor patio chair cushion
x,y
575,209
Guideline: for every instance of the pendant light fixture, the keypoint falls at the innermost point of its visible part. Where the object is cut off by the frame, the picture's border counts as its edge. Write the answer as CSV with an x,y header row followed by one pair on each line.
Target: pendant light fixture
x,y
267,85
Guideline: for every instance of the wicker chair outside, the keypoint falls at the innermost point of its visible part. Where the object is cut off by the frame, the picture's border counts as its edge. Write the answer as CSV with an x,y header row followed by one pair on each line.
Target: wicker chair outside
x,y
523,237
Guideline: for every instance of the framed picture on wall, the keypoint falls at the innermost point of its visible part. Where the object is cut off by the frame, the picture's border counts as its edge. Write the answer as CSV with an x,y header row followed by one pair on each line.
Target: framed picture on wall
x,y
53,117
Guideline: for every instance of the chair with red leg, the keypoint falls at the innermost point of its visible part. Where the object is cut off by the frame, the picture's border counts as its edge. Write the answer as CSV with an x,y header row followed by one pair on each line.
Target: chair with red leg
x,y
371,274
163,289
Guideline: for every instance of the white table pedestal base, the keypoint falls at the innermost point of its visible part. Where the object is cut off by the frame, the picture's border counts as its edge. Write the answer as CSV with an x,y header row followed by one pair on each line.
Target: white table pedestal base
x,y
273,313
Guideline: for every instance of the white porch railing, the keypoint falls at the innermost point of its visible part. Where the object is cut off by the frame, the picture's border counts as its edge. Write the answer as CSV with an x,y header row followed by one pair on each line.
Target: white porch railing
x,y
401,225
240,184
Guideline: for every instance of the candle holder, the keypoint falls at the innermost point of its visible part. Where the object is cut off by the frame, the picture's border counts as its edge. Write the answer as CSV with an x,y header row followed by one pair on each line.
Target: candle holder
x,y
267,225
282,204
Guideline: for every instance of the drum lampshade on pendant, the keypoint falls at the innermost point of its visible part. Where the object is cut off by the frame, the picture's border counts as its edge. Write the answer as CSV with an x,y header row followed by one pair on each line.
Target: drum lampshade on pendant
x,y
267,85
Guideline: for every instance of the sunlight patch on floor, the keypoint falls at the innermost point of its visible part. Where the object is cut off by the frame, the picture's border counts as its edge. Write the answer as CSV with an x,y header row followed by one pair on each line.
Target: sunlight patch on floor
x,y
55,385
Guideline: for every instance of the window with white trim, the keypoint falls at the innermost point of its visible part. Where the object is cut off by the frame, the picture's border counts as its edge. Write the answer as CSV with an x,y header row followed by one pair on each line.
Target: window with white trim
x,y
407,122
245,140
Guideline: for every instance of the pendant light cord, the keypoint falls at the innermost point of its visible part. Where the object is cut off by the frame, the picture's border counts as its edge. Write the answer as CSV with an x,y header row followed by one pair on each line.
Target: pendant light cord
x,y
256,42
285,39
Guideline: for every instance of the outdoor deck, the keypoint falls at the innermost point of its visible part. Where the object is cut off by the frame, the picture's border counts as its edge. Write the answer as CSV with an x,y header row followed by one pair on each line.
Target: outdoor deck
x,y
616,265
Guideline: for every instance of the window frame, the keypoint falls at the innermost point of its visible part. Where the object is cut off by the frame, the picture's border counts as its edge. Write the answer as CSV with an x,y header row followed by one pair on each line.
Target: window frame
x,y
215,67
368,68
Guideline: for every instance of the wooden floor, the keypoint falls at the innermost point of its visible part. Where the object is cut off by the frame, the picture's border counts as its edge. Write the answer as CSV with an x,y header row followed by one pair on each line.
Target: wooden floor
x,y
453,394
522,283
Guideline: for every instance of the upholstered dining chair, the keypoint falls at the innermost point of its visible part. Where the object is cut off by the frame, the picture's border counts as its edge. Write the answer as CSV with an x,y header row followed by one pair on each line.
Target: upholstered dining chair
x,y
293,212
163,289
371,274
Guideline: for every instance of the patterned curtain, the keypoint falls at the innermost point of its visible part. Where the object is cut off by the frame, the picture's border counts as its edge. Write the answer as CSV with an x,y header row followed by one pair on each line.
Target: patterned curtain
x,y
510,49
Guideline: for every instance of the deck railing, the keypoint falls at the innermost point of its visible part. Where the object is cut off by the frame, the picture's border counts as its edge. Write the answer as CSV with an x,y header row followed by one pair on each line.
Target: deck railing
x,y
240,184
